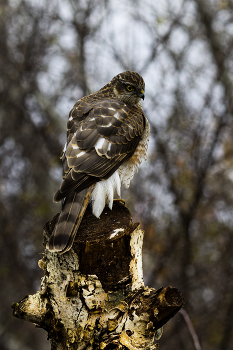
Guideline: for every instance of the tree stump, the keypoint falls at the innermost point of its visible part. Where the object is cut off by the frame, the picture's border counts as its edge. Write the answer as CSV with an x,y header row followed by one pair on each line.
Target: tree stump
x,y
93,297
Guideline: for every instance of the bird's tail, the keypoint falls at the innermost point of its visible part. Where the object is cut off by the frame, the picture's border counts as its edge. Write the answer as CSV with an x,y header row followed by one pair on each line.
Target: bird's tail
x,y
69,220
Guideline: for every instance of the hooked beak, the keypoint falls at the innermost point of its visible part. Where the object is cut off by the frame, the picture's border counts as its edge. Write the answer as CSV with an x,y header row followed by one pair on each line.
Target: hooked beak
x,y
141,94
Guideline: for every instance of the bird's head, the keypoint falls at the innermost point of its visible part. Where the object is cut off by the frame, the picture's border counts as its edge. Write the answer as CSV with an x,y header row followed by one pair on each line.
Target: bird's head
x,y
129,87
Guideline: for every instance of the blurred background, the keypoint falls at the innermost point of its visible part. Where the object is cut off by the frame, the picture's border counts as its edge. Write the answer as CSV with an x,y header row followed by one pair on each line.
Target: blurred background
x,y
52,52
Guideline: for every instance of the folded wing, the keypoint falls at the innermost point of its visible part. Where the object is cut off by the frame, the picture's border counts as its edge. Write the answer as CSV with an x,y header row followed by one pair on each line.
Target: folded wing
x,y
101,136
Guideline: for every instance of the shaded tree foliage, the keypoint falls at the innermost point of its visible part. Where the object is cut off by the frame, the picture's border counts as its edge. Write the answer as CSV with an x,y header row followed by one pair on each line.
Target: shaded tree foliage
x,y
54,52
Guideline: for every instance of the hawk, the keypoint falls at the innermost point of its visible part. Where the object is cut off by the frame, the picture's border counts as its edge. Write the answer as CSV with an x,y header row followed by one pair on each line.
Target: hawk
x,y
107,138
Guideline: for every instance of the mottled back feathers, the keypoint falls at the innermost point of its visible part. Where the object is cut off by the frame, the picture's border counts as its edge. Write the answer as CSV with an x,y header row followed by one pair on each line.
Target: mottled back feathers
x,y
102,132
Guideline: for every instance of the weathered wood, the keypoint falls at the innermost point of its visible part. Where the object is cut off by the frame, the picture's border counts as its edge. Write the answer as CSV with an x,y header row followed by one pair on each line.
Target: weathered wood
x,y
93,297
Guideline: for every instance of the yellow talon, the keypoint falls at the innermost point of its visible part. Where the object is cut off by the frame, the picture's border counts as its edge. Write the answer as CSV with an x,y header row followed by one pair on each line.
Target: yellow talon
x,y
119,200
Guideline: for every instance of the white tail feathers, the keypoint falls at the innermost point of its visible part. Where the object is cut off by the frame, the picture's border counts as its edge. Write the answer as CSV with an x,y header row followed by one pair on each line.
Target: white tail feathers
x,y
103,193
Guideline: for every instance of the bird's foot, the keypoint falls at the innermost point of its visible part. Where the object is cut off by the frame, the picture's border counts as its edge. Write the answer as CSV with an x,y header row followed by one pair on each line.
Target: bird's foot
x,y
119,200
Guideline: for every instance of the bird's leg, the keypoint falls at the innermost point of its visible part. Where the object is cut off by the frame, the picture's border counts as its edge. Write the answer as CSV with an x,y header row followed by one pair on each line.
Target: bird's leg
x,y
119,200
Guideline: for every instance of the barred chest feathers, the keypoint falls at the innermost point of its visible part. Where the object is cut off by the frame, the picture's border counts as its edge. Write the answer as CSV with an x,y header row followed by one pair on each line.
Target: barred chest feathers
x,y
104,191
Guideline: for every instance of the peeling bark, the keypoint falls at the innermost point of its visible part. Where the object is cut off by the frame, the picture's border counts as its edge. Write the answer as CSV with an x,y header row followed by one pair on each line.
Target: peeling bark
x,y
93,297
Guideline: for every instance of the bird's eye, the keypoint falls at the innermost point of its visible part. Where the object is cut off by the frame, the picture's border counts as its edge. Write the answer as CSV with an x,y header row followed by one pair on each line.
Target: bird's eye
x,y
129,87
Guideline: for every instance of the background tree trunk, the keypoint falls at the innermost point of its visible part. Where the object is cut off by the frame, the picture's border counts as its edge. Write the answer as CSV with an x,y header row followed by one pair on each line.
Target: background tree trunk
x,y
93,297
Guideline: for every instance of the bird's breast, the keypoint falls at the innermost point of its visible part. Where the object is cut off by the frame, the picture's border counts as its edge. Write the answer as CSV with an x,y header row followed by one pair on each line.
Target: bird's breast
x,y
128,168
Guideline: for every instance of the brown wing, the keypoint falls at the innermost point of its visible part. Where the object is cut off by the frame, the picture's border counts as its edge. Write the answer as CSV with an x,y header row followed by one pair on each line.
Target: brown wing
x,y
101,136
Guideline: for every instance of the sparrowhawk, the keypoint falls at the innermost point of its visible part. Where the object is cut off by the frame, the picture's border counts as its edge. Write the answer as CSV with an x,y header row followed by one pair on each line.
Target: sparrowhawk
x,y
107,138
